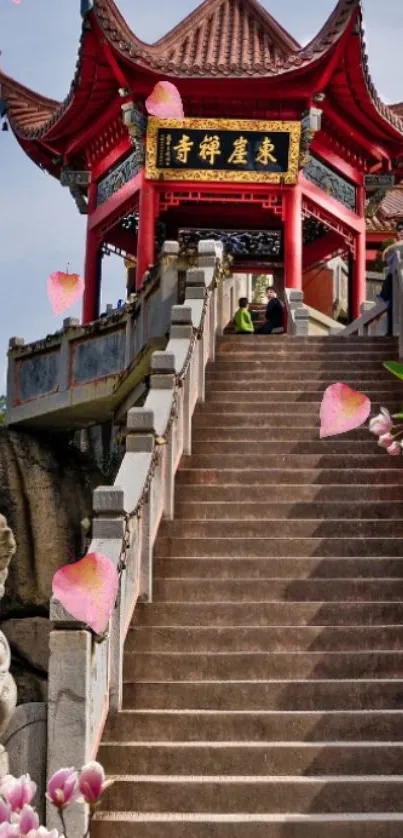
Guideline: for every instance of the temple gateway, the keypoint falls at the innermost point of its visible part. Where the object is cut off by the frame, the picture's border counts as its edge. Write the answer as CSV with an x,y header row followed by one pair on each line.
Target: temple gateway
x,y
273,154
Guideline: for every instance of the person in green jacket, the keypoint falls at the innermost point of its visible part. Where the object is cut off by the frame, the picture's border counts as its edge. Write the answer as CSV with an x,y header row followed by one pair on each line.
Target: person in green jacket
x,y
243,320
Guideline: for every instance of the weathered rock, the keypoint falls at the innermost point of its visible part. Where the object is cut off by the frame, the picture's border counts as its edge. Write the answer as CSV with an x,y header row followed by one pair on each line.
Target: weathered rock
x,y
45,491
8,692
29,641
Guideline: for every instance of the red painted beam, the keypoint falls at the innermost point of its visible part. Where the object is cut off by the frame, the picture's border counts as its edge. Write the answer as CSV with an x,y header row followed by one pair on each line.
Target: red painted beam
x,y
322,250
88,134
112,204
99,169
329,156
326,202
350,130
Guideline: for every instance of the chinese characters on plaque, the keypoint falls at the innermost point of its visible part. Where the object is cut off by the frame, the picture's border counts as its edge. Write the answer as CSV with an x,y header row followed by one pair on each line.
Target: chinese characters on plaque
x,y
196,149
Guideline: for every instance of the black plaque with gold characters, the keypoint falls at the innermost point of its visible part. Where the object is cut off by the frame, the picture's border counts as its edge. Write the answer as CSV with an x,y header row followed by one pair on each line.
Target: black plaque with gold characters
x,y
223,150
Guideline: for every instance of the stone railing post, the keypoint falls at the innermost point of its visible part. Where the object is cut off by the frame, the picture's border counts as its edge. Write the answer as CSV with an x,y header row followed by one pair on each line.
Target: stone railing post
x,y
196,290
164,378
141,441
298,315
109,523
182,330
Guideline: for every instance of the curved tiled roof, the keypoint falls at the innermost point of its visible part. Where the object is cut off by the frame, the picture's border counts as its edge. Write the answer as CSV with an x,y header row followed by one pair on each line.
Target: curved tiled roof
x,y
26,110
221,38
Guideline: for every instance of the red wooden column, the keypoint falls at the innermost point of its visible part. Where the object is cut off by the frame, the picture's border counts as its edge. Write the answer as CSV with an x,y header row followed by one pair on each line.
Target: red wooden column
x,y
293,237
359,272
92,270
359,283
146,234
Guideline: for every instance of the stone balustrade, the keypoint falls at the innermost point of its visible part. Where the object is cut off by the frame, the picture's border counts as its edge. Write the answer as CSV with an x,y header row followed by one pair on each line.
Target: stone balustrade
x,y
78,375
85,675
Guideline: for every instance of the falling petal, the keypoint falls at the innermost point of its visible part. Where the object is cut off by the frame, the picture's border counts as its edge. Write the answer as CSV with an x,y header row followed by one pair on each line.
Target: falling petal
x,y
88,589
165,101
342,410
64,290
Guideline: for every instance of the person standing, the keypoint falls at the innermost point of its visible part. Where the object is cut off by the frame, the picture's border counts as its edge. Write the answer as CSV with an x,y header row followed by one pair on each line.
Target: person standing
x,y
274,317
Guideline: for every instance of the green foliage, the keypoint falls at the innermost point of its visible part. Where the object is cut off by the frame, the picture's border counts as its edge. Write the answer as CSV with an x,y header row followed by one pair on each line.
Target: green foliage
x,y
395,368
2,410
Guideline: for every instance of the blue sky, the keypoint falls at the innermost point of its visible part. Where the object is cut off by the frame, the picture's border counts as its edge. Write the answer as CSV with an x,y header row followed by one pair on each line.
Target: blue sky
x,y
40,228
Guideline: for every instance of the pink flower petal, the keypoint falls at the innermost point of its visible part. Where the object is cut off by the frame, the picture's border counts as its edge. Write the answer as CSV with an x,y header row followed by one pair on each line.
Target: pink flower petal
x,y
165,101
342,410
87,590
64,290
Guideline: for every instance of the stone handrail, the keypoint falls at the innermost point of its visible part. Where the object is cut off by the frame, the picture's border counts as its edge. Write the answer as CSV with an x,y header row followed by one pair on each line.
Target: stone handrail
x,y
362,324
85,675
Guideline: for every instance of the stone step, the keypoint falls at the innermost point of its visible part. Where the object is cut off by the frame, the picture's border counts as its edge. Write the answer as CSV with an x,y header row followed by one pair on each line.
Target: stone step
x,y
262,408
261,352
292,527
264,639
384,386
252,759
218,395
377,377
128,824
282,494
358,696
266,547
309,478
278,433
241,510
266,590
255,448
279,568
257,795
288,417
322,341
337,365
380,460
271,613
253,726
169,666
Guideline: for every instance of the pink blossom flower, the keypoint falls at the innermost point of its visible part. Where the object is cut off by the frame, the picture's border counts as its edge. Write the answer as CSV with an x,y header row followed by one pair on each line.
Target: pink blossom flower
x,y
5,811
18,792
62,787
92,783
28,820
395,449
7,830
385,440
382,423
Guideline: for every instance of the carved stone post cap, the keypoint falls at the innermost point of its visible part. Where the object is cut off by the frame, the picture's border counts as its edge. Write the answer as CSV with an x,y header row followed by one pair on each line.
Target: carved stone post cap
x,y
294,295
163,362
16,343
108,499
209,247
70,323
195,276
181,315
170,248
140,420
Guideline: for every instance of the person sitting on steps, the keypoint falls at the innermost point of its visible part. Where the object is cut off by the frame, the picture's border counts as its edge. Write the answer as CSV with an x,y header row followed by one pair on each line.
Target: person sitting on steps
x,y
274,314
243,320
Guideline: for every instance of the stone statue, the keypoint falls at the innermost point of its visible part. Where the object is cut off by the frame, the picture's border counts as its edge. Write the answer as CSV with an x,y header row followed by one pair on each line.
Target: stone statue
x,y
8,690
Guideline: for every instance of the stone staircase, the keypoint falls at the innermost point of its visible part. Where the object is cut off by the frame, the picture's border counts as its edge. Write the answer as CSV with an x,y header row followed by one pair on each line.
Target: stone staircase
x,y
263,687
